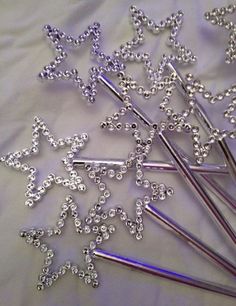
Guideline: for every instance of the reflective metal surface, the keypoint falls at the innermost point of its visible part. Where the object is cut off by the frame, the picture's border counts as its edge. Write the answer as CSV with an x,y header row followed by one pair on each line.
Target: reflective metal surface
x,y
164,273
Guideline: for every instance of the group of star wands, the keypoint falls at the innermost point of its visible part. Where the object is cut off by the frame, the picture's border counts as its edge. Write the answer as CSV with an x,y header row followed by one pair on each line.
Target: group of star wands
x,y
162,80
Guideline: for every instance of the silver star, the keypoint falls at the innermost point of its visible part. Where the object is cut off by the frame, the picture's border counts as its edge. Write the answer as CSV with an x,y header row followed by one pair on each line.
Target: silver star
x,y
15,160
156,191
58,39
88,274
140,21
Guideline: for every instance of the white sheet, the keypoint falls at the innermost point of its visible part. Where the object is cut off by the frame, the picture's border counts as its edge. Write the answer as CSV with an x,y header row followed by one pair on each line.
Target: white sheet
x,y
24,51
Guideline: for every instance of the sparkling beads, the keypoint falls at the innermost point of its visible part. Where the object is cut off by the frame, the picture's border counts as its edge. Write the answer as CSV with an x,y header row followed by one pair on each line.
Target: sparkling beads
x,y
217,17
196,87
154,75
58,40
229,112
35,237
16,160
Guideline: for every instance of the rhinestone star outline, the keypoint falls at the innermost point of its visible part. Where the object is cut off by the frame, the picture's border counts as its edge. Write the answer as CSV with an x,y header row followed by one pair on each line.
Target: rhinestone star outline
x,y
34,193
35,237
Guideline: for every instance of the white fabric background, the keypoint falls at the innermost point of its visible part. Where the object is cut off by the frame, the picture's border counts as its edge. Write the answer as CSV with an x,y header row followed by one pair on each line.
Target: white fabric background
x,y
24,51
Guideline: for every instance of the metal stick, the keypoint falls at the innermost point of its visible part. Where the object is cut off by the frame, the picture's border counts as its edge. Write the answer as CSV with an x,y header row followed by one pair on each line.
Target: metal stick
x,y
154,165
164,273
210,183
180,164
206,123
188,237
214,187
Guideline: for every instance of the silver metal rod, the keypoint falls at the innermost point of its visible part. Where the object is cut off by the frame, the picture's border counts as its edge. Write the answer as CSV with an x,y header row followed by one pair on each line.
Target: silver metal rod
x,y
215,188
206,123
153,165
180,164
188,237
198,189
210,183
164,273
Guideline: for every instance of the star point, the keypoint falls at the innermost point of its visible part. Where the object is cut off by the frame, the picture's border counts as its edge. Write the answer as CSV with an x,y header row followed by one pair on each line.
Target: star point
x,y
217,17
59,40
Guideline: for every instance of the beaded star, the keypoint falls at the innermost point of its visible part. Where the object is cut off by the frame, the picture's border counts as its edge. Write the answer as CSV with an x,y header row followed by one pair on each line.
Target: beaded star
x,y
217,17
35,237
59,39
15,160
157,192
125,52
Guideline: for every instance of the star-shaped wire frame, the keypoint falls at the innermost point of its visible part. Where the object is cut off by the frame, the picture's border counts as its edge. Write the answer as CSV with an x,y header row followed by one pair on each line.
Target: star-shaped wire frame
x,y
140,21
35,237
59,40
15,160
217,17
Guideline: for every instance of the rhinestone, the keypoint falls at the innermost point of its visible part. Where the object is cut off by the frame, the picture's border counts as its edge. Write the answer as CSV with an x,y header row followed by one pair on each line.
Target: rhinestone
x,y
97,219
88,258
74,269
111,173
95,283
62,270
50,253
162,196
82,188
40,286
87,229
43,248
47,261
111,229
103,228
112,213
81,274
92,245
29,202
98,239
